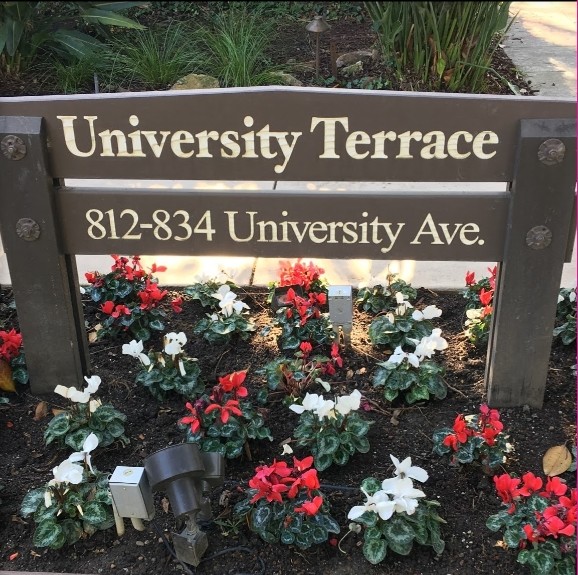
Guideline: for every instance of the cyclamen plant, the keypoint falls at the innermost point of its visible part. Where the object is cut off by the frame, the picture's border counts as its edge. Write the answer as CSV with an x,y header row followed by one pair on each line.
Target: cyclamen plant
x,y
479,296
225,420
74,504
168,370
220,327
382,298
411,374
403,327
474,438
394,514
302,320
565,316
309,277
333,430
538,520
11,352
294,376
284,505
204,292
130,298
84,417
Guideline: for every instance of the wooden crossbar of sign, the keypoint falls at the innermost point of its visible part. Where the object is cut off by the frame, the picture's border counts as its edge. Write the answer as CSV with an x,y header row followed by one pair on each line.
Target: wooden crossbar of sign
x,y
284,224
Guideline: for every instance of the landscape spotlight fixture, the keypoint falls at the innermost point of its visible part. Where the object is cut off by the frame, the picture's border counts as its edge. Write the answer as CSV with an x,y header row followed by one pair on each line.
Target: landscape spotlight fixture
x,y
317,26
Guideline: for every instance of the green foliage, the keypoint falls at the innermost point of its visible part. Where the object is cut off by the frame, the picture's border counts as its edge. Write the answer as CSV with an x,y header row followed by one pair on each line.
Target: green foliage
x,y
400,530
77,76
382,298
224,421
219,329
414,383
156,58
474,438
75,511
332,440
234,50
203,292
566,316
284,505
447,45
129,299
28,27
71,427
398,329
165,376
332,431
537,524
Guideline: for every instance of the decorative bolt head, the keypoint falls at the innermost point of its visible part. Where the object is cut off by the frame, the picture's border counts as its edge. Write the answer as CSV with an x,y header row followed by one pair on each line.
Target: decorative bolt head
x,y
27,229
538,238
13,147
551,152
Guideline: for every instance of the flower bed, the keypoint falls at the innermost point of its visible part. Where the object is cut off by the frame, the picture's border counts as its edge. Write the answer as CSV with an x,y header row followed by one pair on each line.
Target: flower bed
x,y
467,497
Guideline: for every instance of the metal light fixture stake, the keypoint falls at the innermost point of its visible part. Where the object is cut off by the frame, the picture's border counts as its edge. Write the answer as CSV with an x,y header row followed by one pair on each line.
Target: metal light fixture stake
x,y
317,26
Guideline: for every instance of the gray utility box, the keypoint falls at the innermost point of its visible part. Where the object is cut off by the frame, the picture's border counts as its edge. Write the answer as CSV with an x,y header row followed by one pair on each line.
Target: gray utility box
x,y
131,493
340,305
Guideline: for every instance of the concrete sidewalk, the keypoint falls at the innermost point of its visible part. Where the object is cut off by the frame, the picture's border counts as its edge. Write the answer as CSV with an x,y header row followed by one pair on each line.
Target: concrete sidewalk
x,y
541,43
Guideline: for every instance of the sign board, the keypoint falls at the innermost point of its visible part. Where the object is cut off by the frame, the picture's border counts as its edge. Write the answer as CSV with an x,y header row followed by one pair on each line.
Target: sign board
x,y
290,134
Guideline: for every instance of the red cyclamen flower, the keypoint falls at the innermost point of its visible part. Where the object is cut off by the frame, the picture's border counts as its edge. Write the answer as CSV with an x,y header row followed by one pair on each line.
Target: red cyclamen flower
x,y
310,507
231,407
233,383
507,488
470,278
193,419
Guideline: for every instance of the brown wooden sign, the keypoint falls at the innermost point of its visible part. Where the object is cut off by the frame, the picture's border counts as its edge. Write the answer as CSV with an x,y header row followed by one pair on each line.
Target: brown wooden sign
x,y
290,134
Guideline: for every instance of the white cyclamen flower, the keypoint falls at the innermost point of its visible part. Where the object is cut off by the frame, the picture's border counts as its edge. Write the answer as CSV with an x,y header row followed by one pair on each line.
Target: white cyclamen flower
x,y
311,402
378,503
572,296
90,444
325,409
94,404
230,305
79,396
66,472
347,403
287,449
404,494
399,355
135,349
402,304
428,312
182,368
428,345
406,469
174,342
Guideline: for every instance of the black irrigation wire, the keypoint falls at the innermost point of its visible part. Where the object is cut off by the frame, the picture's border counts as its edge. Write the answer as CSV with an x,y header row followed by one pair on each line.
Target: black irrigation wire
x,y
186,569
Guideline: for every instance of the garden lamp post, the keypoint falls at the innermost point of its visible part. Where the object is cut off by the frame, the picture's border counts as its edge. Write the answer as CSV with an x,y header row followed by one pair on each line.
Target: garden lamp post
x,y
317,26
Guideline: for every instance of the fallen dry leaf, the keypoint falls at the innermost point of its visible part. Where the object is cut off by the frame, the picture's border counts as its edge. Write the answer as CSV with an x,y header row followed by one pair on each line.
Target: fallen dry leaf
x,y
56,411
14,556
349,374
501,543
556,460
18,519
166,505
6,381
34,554
141,436
41,411
361,371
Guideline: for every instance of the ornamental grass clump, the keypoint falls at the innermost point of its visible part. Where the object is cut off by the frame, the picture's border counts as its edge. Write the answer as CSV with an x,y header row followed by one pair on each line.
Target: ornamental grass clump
x,y
413,375
13,359
293,376
224,421
168,370
229,319
539,521
402,326
284,505
332,430
474,438
73,505
395,515
84,417
565,316
479,296
130,299
382,298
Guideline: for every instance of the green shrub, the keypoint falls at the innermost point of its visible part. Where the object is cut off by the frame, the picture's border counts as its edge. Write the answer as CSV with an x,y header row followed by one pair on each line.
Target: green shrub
x,y
235,50
156,58
445,44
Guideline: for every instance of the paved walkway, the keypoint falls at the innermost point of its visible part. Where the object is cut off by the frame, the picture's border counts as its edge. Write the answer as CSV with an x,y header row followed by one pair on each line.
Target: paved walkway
x,y
541,42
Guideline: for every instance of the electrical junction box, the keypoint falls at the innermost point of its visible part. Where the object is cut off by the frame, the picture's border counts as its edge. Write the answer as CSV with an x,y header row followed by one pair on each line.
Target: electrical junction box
x,y
340,305
131,493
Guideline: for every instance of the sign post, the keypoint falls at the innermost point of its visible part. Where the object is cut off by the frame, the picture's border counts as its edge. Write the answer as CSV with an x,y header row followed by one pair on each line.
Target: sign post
x,y
290,134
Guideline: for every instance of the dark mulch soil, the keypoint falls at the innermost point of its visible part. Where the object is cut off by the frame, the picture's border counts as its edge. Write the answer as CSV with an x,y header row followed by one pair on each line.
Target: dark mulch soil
x,y
467,496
